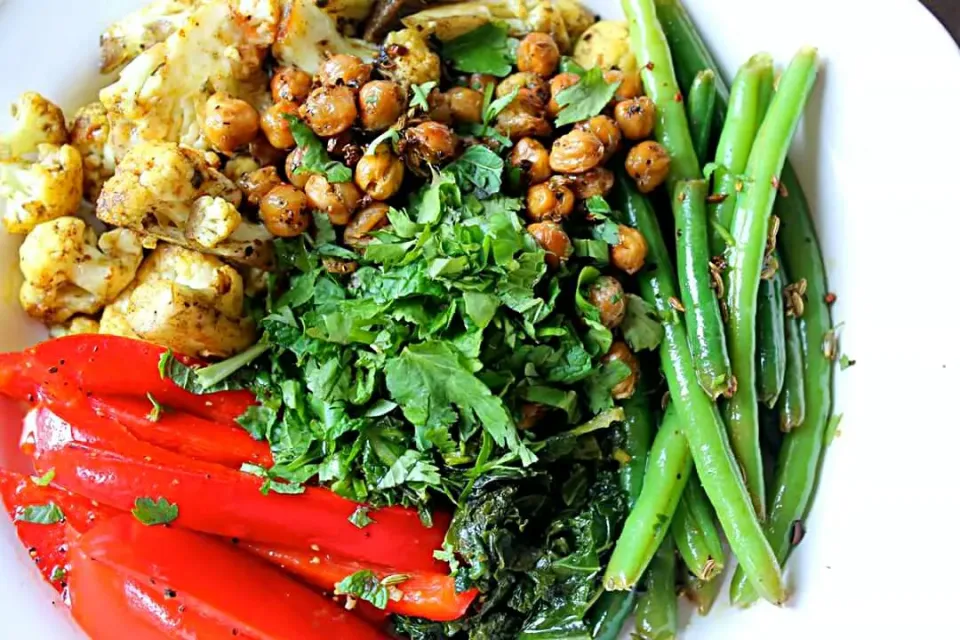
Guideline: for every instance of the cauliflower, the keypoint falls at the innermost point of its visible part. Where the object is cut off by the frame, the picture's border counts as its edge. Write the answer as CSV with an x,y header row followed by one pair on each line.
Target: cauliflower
x,y
411,62
184,300
307,32
172,193
576,17
136,32
35,192
38,121
239,166
162,93
75,325
88,135
606,44
67,271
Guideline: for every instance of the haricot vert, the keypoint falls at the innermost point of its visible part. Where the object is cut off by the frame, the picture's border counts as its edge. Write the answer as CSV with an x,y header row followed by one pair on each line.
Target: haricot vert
x,y
771,344
701,99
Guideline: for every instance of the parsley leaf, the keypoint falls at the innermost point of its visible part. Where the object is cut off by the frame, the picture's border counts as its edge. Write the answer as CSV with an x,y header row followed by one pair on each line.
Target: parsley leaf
x,y
43,480
365,585
483,50
596,250
361,517
156,411
479,167
585,99
598,338
48,513
421,93
598,206
315,157
569,65
391,136
211,378
151,512
269,480
641,326
846,362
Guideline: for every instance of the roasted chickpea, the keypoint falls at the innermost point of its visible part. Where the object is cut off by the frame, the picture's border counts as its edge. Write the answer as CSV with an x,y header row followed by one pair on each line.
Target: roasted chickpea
x,y
630,85
336,199
368,219
239,165
606,294
554,240
596,182
547,201
291,84
342,70
518,120
606,130
329,110
265,153
531,89
558,83
230,123
275,125
576,152
428,143
381,103
284,211
466,105
379,175
533,160
479,81
294,162
338,266
629,254
257,184
619,351
530,414
538,53
636,117
440,109
648,163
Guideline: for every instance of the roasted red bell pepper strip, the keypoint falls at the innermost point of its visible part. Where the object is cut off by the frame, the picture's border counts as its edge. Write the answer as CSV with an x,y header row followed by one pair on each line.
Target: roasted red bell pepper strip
x,y
99,459
224,584
110,365
427,595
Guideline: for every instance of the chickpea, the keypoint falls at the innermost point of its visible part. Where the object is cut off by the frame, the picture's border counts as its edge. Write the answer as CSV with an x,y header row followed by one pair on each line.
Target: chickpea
x,y
290,84
329,110
619,351
648,163
466,105
606,294
558,83
284,211
276,127
629,254
606,130
479,81
295,161
257,184
539,54
265,153
230,123
428,143
369,219
547,201
337,199
531,157
554,240
338,266
518,121
596,182
440,107
381,103
630,85
636,117
342,70
530,414
576,152
532,90
379,175
239,165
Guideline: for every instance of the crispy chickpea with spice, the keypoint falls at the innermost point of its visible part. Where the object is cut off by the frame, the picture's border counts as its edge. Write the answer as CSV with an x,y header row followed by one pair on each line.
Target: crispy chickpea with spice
x,y
576,152
620,352
290,84
337,199
379,174
630,252
342,70
329,110
546,201
381,104
539,54
606,294
636,117
230,123
274,124
532,159
369,219
284,211
554,240
648,164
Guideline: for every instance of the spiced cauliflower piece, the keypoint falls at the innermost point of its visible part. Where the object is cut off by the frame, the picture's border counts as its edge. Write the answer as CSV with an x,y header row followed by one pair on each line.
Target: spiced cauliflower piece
x,y
411,60
606,44
184,300
136,32
32,192
89,134
75,326
36,121
308,33
68,271
172,193
577,18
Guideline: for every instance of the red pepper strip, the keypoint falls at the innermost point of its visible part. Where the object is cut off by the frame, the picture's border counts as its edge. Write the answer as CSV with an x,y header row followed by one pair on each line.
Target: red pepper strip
x,y
47,543
425,594
223,583
110,365
100,460
183,433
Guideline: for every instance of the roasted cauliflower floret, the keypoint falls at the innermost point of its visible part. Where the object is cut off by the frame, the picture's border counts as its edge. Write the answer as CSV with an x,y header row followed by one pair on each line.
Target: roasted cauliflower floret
x,y
37,121
68,271
410,60
576,17
35,192
89,133
606,44
182,299
308,32
172,193
136,32
74,326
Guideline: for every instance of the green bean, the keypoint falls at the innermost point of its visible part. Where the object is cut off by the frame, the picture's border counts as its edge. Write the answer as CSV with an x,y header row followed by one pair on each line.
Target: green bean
x,y
771,345
668,467
610,613
695,533
701,100
698,415
791,404
702,593
657,610
749,230
753,81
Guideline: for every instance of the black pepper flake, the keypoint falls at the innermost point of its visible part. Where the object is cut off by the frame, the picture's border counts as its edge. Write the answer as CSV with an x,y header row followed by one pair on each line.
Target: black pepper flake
x,y
235,540
797,532
53,370
169,593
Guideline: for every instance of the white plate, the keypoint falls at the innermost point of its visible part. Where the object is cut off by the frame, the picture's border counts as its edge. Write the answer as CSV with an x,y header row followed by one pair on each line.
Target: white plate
x,y
878,158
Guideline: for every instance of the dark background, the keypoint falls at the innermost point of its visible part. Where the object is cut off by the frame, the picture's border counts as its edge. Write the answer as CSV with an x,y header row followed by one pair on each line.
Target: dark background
x,y
949,13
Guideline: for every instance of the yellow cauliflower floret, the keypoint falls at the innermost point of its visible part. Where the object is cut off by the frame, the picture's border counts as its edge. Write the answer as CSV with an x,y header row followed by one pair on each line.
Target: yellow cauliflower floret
x,y
89,133
184,300
35,192
136,32
172,193
68,271
411,61
521,17
576,17
606,44
36,121
74,326
308,32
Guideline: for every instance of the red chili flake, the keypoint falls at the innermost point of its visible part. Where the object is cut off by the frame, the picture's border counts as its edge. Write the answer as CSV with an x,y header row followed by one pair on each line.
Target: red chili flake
x,y
830,298
797,532
775,182
649,66
716,198
678,97
782,190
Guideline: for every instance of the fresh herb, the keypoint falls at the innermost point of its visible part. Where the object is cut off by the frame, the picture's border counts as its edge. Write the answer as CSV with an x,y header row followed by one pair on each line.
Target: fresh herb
x,y
490,110
391,136
211,378
365,585
569,65
45,479
421,95
599,207
152,512
641,327
57,574
270,483
481,168
832,430
598,338
592,249
483,50
360,518
585,99
315,157
48,513
846,362
156,409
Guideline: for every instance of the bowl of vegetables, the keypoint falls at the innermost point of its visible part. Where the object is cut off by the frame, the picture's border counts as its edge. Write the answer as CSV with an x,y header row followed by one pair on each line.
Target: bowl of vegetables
x,y
472,320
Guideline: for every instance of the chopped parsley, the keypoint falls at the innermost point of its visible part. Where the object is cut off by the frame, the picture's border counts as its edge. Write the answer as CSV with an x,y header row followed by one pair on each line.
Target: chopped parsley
x,y
486,49
586,98
152,512
48,513
421,95
156,409
365,585
361,517
315,157
45,479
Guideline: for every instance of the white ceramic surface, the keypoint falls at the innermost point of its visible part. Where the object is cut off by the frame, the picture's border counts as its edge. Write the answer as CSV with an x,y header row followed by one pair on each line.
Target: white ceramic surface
x,y
878,156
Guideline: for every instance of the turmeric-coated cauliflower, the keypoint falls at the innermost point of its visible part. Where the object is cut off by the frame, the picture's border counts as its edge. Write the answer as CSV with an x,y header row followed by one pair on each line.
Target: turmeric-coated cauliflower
x,y
74,326
184,300
36,121
172,193
576,17
68,271
35,192
89,133
308,32
136,32
409,58
606,44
